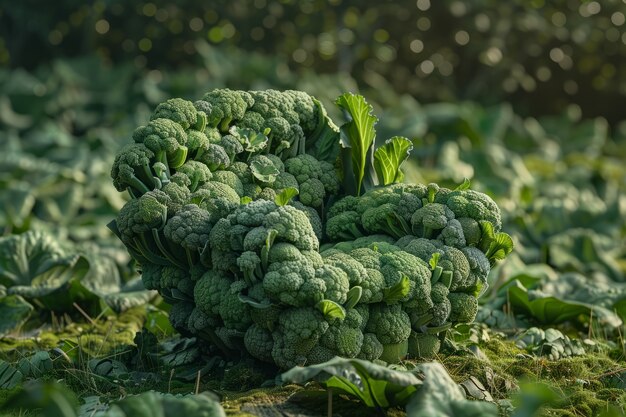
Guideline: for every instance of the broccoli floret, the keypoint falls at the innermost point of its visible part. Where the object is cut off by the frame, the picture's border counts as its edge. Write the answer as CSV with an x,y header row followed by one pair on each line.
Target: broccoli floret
x,y
223,106
179,196
182,112
142,214
232,146
199,321
298,331
312,215
285,180
329,178
131,168
464,307
259,343
368,257
424,345
336,281
215,189
293,283
197,173
250,264
303,167
344,225
230,179
452,234
430,219
343,338
479,267
454,260
209,291
215,157
253,214
234,313
354,270
471,230
253,121
242,170
373,286
383,219
197,143
475,205
166,139
189,228
293,226
389,323
395,265
312,193
371,349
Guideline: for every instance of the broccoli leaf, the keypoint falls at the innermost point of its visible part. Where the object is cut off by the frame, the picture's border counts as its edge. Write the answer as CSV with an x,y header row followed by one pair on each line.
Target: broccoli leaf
x,y
389,157
375,385
331,310
465,185
441,396
398,291
14,311
264,172
283,198
357,134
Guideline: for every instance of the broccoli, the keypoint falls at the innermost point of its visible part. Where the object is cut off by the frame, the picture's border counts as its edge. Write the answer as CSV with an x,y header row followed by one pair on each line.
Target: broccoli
x,y
131,168
182,112
166,139
224,106
259,343
297,333
197,173
215,157
463,307
213,231
230,179
189,228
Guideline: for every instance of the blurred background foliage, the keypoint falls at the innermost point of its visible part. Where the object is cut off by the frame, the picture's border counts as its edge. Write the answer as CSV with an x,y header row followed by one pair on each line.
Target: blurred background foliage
x,y
540,55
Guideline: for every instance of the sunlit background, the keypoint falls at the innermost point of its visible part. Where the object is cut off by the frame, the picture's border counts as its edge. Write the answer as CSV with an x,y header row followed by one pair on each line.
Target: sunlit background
x,y
540,55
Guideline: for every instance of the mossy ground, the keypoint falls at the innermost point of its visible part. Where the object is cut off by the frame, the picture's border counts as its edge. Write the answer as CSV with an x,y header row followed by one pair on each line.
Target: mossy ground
x,y
585,385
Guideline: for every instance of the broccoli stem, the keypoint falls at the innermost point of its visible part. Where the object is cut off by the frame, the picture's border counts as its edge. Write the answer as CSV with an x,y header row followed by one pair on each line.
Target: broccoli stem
x,y
178,158
225,124
137,184
164,251
149,255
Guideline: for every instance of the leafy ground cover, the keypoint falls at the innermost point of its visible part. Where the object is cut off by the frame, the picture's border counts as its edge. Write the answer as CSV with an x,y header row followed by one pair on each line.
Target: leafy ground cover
x,y
80,333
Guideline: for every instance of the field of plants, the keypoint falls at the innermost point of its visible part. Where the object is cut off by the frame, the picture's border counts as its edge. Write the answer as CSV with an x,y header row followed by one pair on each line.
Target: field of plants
x,y
272,231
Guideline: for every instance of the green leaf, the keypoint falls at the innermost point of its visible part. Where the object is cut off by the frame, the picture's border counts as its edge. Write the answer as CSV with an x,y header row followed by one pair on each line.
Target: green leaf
x,y
9,376
283,198
254,303
375,385
325,137
398,291
464,185
151,404
353,297
245,200
358,133
389,157
331,310
51,398
264,172
14,311
36,365
499,248
440,396
252,141
434,260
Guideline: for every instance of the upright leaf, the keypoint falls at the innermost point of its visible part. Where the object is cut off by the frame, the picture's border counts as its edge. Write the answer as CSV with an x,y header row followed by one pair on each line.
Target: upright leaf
x,y
389,157
358,133
285,196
